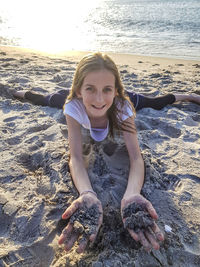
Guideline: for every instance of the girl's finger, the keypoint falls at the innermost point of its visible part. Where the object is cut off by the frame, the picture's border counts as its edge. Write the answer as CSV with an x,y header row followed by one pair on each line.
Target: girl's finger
x,y
65,233
70,242
82,245
151,210
152,240
134,235
93,236
158,232
145,243
70,210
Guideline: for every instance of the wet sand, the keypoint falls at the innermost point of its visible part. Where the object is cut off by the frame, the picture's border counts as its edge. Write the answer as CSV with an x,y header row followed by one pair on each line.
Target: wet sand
x,y
35,183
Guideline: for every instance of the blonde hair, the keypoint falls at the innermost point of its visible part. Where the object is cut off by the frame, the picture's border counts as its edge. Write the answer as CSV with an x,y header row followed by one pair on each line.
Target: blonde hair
x,y
99,61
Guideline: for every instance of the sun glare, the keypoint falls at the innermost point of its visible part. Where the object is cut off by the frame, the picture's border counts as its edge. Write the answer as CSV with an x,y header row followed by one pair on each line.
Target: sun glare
x,y
50,25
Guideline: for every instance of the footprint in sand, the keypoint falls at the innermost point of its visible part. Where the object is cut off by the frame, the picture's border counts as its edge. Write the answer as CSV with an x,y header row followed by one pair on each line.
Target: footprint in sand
x,y
155,75
32,162
35,255
20,257
4,91
7,59
190,122
171,131
11,124
13,118
196,117
185,196
6,212
14,141
38,128
176,184
166,128
191,244
19,80
142,125
191,137
26,226
24,61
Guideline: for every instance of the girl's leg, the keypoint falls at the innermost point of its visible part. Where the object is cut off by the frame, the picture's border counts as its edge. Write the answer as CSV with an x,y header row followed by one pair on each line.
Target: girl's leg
x,y
53,100
140,101
58,99
157,103
34,98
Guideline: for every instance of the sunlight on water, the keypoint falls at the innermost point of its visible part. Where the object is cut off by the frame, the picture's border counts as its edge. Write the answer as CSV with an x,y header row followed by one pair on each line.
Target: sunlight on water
x,y
169,28
48,25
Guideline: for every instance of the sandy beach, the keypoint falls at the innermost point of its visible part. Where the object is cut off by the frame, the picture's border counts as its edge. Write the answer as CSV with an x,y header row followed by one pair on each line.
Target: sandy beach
x,y
36,186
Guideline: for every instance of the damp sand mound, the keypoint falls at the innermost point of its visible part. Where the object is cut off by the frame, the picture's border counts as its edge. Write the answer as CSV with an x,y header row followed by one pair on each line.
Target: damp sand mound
x,y
137,218
85,220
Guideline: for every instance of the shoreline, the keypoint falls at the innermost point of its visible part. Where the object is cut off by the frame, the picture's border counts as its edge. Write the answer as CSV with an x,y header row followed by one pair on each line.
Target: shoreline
x,y
119,58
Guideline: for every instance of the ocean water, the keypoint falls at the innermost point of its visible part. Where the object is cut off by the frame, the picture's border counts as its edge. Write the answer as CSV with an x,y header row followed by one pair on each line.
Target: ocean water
x,y
164,28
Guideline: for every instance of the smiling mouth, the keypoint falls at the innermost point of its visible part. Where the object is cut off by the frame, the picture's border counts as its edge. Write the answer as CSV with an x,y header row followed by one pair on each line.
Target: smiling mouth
x,y
99,108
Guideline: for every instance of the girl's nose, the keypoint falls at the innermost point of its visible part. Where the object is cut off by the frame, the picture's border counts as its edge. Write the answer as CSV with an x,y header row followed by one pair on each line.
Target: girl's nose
x,y
99,97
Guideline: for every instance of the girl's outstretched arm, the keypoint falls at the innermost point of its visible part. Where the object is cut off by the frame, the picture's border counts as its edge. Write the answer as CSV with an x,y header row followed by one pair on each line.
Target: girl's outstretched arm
x,y
76,164
132,202
87,202
136,174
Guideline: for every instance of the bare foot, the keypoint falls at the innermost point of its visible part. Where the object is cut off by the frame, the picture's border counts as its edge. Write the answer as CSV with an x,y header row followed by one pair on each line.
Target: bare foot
x,y
18,94
195,98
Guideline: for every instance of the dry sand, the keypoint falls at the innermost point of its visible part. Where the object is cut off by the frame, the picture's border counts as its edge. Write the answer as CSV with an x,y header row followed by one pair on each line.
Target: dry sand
x,y
35,183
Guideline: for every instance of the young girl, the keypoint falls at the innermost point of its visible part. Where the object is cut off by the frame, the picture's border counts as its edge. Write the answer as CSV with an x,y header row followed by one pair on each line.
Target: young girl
x,y
98,103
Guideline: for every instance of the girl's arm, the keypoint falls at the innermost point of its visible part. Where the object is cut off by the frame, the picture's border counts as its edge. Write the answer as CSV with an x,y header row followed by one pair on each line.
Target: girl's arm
x,y
87,199
132,194
136,174
76,164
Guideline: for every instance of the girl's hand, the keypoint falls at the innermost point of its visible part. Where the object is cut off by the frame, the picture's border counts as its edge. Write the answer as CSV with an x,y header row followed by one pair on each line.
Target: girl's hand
x,y
86,216
138,216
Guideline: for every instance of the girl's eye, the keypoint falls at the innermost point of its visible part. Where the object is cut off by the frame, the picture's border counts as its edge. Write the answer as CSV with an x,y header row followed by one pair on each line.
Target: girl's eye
x,y
89,88
107,89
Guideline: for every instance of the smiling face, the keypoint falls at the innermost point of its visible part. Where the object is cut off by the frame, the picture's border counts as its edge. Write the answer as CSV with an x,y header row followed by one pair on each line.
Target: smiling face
x,y
98,92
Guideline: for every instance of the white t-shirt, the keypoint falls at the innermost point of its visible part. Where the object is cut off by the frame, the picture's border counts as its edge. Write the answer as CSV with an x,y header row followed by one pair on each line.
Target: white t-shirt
x,y
76,109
